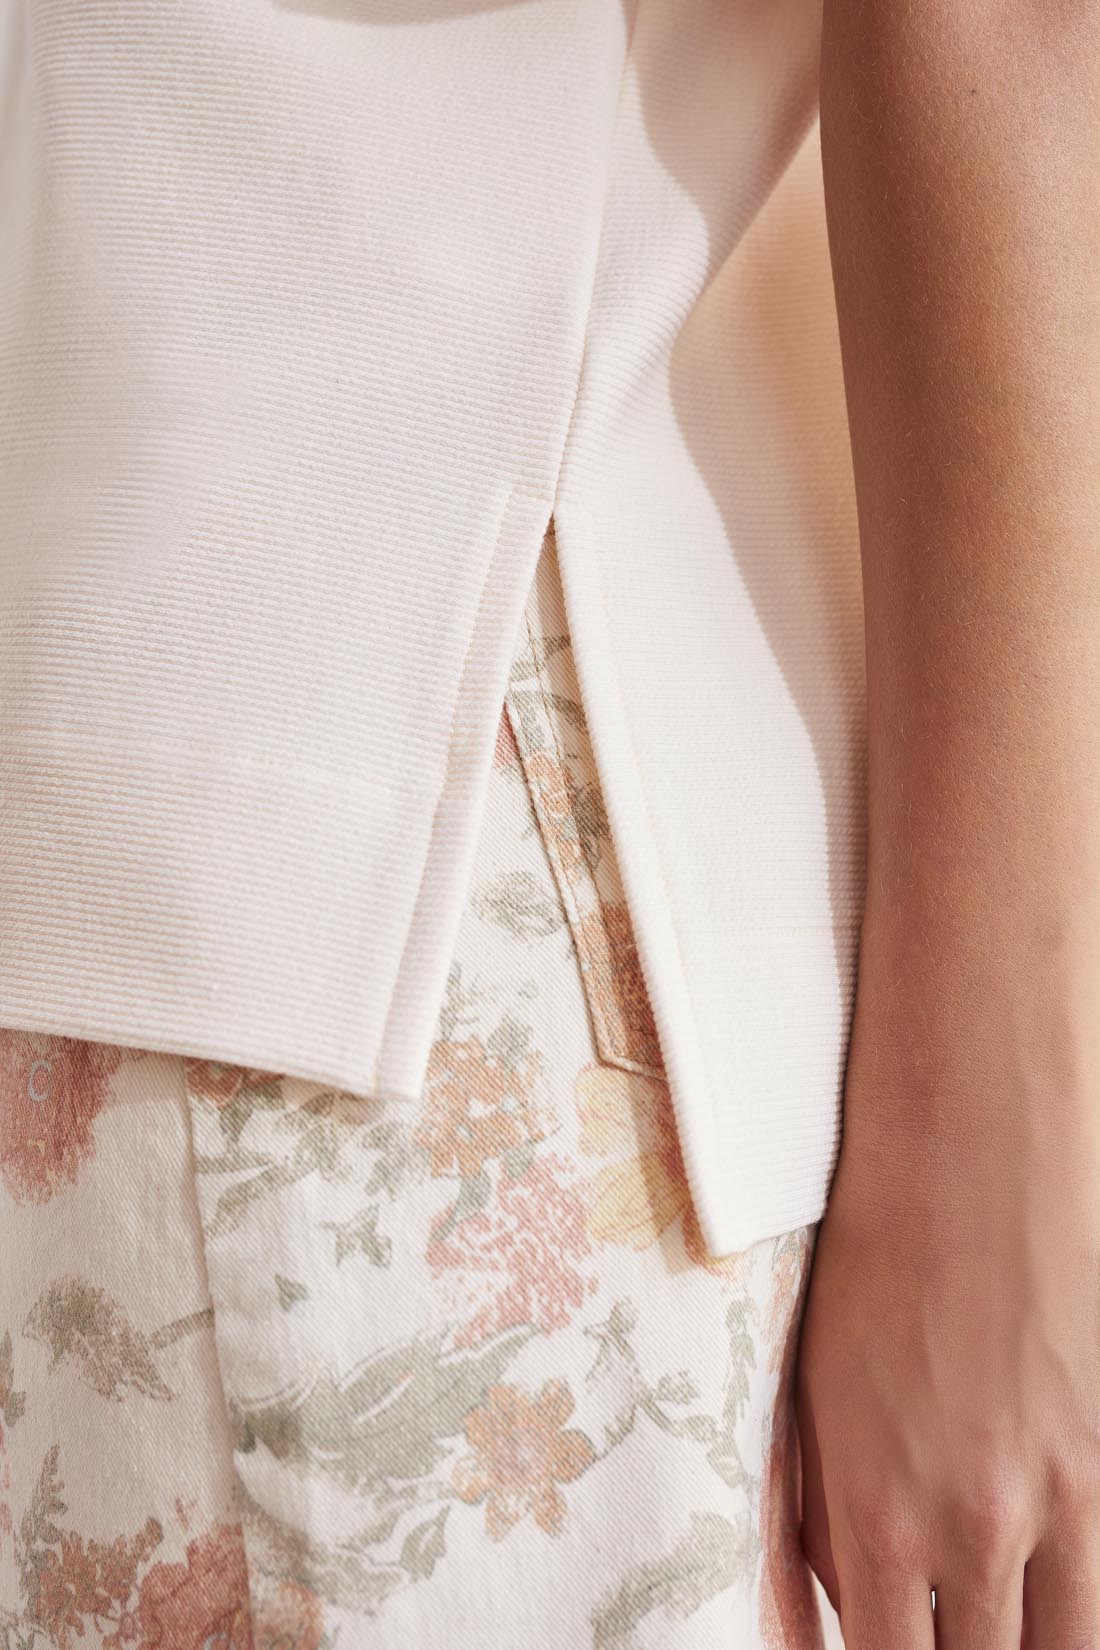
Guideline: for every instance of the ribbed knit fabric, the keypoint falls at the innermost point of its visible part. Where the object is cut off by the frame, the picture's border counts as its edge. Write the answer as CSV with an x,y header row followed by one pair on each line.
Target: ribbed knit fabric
x,y
709,550
311,313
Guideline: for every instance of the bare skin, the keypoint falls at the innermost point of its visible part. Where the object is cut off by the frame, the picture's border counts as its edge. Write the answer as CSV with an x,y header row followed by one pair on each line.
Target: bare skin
x,y
949,1392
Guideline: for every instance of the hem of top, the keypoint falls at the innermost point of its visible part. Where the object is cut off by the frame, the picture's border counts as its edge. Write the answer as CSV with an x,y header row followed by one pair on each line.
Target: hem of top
x,y
758,1207
161,1045
169,750
640,864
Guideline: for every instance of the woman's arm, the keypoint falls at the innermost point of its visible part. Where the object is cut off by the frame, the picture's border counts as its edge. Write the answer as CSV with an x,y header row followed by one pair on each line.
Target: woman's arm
x,y
950,1373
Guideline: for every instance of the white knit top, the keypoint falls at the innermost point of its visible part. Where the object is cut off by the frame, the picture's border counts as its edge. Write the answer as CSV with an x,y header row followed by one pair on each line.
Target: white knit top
x,y
311,313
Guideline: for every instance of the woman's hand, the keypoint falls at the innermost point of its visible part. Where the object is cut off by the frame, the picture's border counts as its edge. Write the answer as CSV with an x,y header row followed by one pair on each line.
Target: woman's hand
x,y
949,1401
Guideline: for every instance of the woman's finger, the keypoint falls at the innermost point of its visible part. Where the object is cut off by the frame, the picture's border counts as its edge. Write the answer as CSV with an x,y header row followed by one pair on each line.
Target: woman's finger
x,y
974,1615
1062,1591
885,1615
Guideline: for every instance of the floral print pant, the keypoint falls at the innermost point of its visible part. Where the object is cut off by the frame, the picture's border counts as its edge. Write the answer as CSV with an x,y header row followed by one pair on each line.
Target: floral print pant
x,y
290,1369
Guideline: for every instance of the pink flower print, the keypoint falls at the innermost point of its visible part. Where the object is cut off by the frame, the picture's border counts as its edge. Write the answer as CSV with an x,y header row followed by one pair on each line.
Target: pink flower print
x,y
52,1089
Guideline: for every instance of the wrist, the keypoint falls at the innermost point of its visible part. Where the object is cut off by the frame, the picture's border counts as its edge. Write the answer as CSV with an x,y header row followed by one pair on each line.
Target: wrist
x,y
976,1044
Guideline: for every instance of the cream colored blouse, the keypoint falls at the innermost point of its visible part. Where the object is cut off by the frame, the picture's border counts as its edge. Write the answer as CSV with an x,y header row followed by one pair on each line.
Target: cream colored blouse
x,y
312,312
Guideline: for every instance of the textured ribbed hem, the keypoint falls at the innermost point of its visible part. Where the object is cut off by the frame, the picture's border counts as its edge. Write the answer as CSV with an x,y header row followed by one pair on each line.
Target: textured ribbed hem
x,y
775,1039
753,1021
221,939
194,901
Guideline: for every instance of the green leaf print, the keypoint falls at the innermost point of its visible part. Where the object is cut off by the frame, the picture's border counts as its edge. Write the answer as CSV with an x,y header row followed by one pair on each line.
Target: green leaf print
x,y
289,1292
316,1150
38,1529
724,1455
400,1161
386,1420
712,1556
520,903
536,657
12,1403
86,1328
360,1236
474,1192
424,1546
510,1042
339,1573
518,1160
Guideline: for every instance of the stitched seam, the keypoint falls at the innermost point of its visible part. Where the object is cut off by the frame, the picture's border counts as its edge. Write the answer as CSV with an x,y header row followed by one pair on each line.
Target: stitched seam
x,y
565,888
611,1051
238,1488
584,951
167,750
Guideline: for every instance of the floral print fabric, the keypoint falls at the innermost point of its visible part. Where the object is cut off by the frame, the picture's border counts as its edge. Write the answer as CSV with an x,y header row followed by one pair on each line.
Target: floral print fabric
x,y
285,1368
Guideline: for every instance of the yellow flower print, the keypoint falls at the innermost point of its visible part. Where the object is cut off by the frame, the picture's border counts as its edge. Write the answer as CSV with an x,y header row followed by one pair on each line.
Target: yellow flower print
x,y
629,1116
